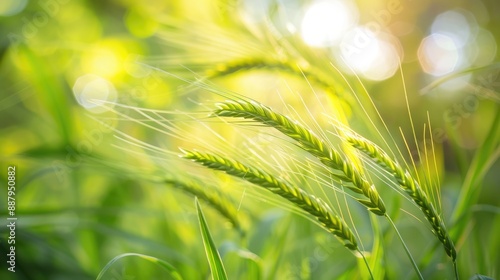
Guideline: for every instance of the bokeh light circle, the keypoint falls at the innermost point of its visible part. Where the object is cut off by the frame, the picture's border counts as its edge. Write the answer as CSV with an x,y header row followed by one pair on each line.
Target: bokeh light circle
x,y
438,54
94,93
373,56
12,7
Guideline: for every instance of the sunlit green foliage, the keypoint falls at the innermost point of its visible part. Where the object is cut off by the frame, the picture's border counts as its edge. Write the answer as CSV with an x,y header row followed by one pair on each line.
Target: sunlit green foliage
x,y
102,189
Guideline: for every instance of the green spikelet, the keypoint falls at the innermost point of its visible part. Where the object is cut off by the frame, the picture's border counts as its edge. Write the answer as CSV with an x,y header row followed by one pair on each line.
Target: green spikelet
x,y
309,203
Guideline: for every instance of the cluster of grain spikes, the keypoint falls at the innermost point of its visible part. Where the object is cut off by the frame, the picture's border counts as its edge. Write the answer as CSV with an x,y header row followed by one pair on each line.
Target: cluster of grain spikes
x,y
305,201
410,186
308,142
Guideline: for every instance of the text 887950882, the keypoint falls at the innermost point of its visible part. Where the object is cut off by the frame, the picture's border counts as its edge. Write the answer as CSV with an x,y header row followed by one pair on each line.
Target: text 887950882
x,y
11,220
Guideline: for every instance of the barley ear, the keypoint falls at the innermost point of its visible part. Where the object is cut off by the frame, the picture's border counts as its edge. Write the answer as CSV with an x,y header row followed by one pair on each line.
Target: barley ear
x,y
284,66
410,186
308,142
307,202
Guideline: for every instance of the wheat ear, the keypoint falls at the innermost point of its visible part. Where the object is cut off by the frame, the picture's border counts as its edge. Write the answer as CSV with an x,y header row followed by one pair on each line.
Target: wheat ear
x,y
309,203
214,198
308,142
410,186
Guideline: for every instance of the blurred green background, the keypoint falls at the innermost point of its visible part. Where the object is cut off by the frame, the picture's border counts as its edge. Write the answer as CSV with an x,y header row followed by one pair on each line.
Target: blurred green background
x,y
81,200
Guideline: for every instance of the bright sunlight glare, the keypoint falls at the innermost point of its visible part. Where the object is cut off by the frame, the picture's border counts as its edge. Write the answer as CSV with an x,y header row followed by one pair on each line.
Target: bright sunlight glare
x,y
325,22
373,56
91,91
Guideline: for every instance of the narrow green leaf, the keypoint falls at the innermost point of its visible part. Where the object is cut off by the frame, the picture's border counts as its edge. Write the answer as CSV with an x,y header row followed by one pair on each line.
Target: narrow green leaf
x,y
484,158
248,263
457,74
214,259
168,267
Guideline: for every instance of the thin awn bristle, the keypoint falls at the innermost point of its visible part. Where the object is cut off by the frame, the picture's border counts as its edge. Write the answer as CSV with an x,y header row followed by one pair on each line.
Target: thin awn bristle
x,y
411,187
309,203
308,142
430,186
438,184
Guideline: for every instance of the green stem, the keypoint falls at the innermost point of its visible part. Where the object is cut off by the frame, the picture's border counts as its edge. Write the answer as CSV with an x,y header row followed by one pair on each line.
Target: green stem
x,y
406,248
366,262
456,270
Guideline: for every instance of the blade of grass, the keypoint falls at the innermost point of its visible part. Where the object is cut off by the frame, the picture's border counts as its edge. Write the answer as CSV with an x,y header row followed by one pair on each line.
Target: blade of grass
x,y
214,259
50,92
168,267
136,239
253,266
471,187
377,252
452,76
